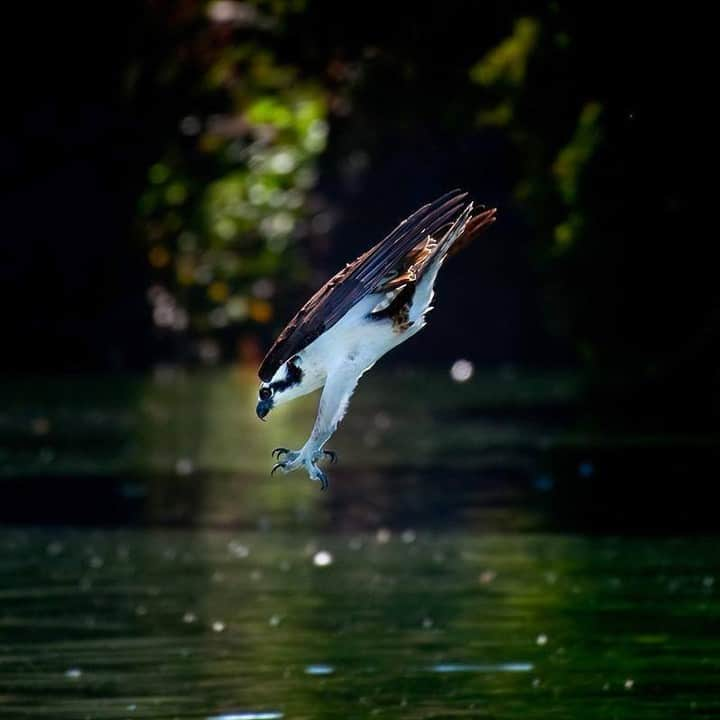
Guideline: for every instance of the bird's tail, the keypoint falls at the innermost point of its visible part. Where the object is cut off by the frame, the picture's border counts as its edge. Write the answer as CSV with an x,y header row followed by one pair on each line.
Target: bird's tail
x,y
466,229
428,257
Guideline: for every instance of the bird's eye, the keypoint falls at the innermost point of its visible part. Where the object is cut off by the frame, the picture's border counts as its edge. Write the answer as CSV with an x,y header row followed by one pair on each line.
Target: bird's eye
x,y
265,393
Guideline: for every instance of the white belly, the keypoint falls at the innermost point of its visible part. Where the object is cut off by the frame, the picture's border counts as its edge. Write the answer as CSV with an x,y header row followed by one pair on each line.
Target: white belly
x,y
362,339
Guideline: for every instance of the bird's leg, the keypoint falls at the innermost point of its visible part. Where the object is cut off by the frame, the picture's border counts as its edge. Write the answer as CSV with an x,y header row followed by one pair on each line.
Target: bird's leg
x,y
333,404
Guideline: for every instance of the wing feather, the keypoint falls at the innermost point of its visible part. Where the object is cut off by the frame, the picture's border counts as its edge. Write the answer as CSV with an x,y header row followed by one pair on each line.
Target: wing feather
x,y
358,279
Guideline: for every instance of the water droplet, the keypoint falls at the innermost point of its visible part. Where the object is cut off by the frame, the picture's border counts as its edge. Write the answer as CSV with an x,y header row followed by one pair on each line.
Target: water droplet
x,y
461,370
322,558
383,536
408,536
541,639
184,466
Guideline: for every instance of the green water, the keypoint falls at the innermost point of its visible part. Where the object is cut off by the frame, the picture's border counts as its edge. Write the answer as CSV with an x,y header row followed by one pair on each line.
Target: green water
x,y
483,552
401,625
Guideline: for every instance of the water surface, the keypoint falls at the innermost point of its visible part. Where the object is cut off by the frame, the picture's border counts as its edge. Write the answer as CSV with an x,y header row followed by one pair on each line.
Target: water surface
x,y
115,624
480,554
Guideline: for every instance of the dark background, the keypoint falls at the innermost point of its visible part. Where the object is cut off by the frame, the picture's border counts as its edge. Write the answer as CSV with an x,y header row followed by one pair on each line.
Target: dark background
x,y
96,98
535,538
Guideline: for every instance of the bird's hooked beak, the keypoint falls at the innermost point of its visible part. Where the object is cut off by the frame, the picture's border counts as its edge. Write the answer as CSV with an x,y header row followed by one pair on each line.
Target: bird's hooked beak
x,y
263,408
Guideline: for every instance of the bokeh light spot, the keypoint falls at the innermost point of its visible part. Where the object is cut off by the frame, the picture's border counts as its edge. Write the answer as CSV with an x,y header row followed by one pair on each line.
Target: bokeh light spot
x,y
462,370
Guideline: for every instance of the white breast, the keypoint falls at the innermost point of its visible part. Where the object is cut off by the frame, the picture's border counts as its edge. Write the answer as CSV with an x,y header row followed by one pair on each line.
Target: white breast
x,y
355,337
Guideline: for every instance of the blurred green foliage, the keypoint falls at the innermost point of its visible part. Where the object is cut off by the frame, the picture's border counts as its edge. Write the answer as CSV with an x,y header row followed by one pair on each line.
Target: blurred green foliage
x,y
537,95
554,170
226,203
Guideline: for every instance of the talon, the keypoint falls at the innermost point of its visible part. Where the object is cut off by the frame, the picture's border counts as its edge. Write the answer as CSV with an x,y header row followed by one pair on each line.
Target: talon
x,y
279,451
331,454
276,466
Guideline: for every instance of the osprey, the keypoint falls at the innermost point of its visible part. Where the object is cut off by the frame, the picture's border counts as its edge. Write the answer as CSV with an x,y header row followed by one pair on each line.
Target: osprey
x,y
372,305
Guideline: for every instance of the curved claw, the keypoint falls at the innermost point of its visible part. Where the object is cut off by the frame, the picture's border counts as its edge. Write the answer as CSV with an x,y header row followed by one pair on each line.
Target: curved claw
x,y
323,480
318,475
331,454
276,466
279,451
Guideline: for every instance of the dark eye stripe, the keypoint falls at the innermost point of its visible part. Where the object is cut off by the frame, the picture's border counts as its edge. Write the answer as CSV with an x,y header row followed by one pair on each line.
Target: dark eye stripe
x,y
294,377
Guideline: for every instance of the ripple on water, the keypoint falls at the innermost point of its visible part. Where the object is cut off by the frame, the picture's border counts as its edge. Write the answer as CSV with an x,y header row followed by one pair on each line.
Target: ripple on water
x,y
319,670
250,715
464,667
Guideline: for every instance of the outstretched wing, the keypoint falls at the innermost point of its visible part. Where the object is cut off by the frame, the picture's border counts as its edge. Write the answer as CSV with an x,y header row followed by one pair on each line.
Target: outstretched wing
x,y
358,279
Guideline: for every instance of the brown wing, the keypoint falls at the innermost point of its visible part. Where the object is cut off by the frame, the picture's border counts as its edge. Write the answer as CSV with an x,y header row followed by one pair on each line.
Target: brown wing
x,y
357,279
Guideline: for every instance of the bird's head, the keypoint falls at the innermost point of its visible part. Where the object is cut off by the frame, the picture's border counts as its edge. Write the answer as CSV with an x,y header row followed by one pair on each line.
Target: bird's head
x,y
285,385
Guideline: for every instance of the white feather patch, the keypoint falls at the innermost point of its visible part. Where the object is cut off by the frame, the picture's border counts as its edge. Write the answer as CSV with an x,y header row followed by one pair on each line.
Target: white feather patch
x,y
387,299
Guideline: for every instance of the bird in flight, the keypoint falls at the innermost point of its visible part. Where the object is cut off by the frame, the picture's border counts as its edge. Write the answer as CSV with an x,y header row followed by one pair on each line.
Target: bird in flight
x,y
372,305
